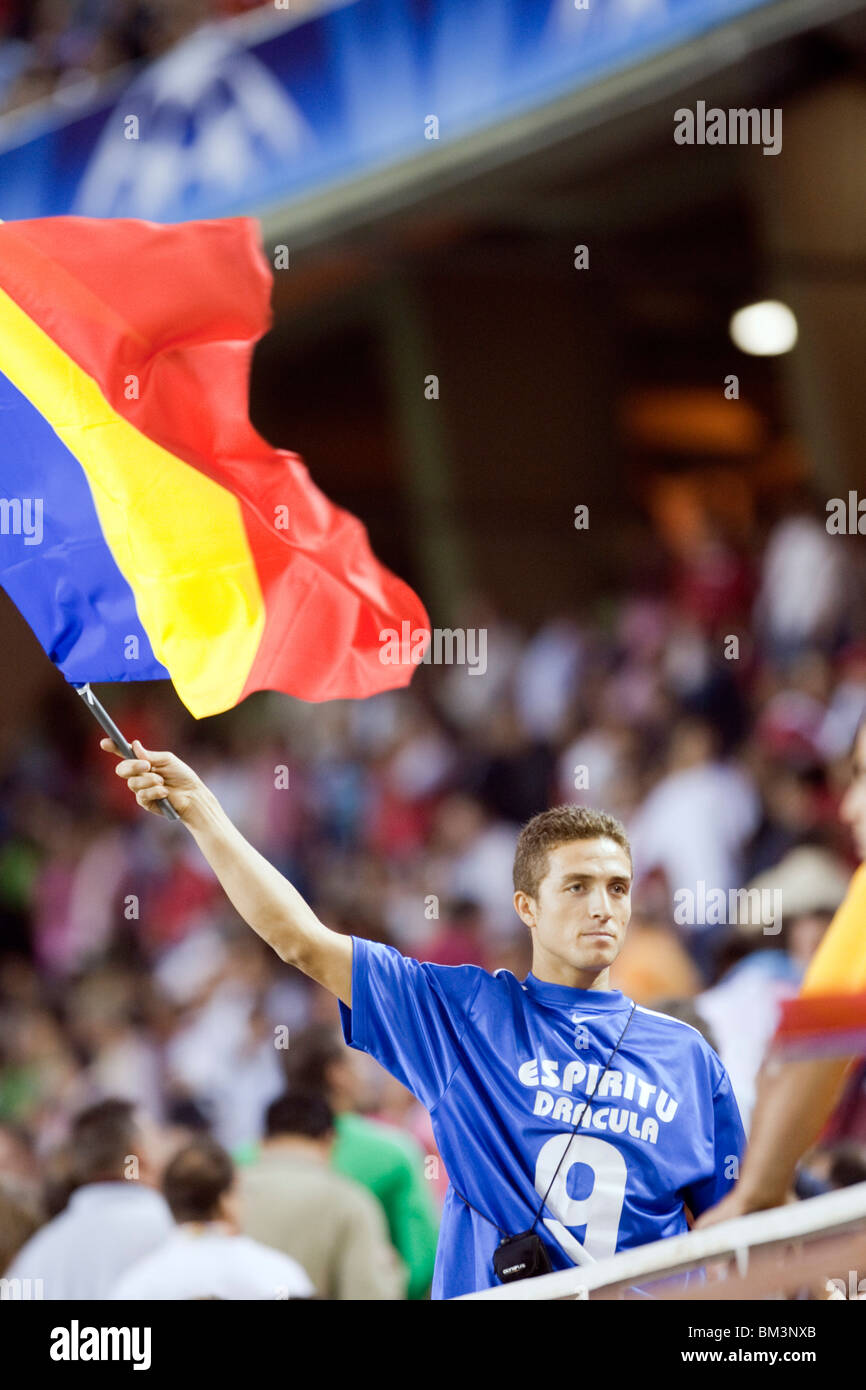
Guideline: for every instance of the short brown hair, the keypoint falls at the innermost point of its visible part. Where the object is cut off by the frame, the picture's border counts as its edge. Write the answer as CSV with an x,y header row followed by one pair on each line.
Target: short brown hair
x,y
299,1112
559,826
102,1138
196,1178
313,1051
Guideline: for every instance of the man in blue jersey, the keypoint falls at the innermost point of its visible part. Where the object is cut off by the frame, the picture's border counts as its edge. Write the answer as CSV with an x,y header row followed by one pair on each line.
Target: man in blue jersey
x,y
507,1067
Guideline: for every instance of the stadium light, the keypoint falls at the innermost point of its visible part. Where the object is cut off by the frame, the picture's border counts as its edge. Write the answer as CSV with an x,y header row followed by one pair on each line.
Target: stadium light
x,y
766,329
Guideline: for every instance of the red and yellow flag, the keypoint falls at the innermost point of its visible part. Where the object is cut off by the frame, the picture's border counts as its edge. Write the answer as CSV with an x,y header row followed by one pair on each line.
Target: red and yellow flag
x,y
158,535
829,1015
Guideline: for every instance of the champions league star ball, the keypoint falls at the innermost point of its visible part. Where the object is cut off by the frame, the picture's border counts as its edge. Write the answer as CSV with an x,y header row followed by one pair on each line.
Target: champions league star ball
x,y
206,122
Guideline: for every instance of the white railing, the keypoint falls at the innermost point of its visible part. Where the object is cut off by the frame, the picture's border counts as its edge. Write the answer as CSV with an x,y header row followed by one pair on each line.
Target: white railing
x,y
758,1256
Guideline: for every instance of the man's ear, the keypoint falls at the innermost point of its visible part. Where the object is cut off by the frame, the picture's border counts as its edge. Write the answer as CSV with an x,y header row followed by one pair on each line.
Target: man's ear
x,y
525,907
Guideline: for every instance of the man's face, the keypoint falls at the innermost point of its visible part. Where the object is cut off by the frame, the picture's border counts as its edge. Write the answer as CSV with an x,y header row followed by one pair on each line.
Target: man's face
x,y
579,918
853,808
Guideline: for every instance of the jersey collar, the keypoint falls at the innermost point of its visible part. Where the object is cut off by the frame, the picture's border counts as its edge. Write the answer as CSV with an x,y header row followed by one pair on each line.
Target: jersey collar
x,y
594,1000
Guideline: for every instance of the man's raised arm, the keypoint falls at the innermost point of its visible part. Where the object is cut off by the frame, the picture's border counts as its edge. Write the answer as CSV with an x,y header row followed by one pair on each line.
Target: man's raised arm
x,y
263,897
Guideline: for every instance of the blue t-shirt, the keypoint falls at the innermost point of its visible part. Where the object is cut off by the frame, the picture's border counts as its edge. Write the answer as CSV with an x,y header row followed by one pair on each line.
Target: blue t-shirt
x,y
504,1068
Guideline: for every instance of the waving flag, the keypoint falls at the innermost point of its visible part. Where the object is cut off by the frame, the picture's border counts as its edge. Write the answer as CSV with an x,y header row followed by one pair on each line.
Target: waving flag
x,y
828,1017
148,531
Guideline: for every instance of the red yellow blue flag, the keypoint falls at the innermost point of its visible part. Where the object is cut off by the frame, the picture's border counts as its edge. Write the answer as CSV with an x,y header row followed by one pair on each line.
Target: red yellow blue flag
x,y
148,532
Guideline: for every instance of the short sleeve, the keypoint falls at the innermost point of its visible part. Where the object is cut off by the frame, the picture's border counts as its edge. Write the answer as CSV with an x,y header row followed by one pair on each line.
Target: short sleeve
x,y
410,1016
729,1142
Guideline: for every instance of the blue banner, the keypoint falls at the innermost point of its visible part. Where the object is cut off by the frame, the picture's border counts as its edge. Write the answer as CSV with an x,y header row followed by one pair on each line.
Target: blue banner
x,y
227,122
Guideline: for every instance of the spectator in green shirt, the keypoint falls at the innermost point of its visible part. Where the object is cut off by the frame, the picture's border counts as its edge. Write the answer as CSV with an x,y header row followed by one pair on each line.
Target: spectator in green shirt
x,y
387,1162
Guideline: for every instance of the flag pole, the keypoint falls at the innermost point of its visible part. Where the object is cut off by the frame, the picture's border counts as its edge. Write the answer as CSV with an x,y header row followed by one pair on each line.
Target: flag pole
x,y
102,717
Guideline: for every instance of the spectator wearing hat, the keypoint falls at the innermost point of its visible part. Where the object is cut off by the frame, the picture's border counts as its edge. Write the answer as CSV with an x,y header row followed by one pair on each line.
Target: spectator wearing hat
x,y
744,1007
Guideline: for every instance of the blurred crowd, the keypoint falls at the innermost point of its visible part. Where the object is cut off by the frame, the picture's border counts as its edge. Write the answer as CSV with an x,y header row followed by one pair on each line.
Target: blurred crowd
x,y
712,708
63,49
